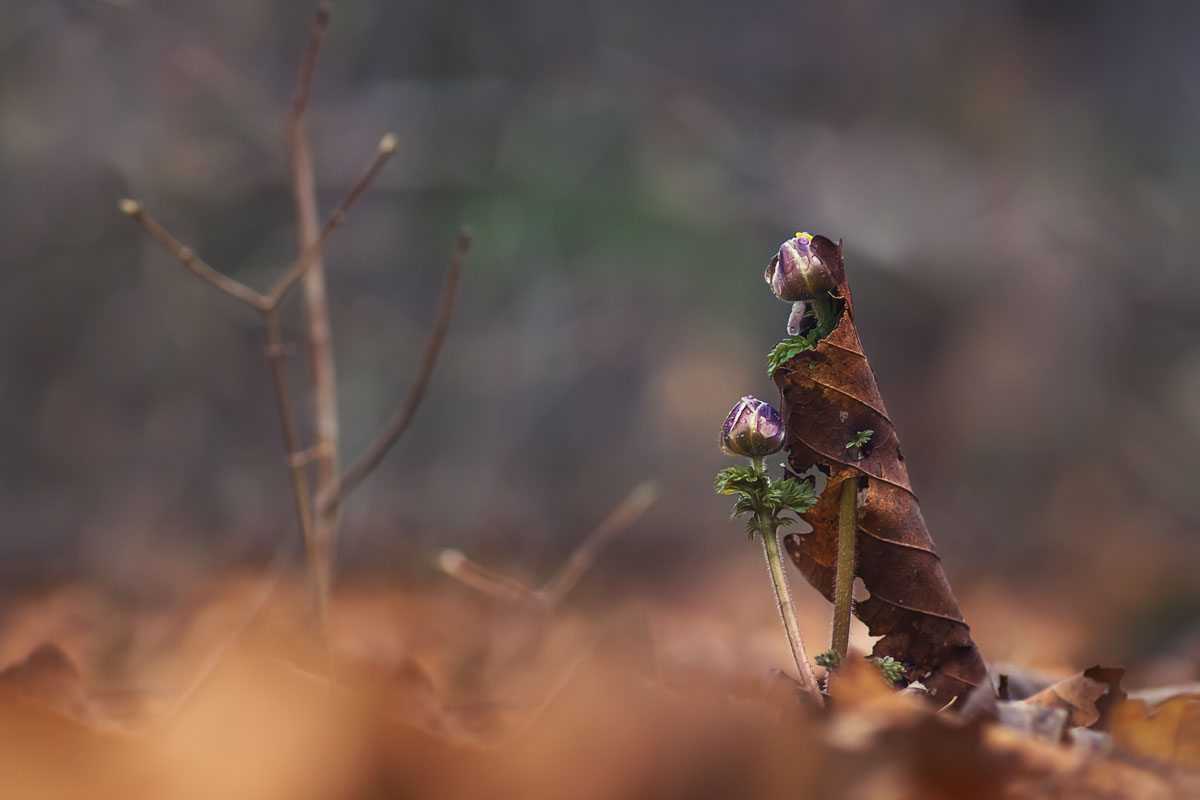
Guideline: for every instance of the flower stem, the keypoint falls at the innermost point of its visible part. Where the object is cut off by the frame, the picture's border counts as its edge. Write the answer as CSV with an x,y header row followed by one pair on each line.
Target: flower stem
x,y
808,677
823,307
843,592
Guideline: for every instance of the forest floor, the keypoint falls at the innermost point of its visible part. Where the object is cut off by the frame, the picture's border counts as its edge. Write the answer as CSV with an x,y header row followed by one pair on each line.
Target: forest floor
x,y
218,691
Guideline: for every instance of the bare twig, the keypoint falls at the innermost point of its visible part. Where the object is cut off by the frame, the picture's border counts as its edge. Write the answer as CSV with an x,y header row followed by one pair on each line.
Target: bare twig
x,y
309,61
300,490
551,595
375,452
276,353
300,267
320,348
296,270
318,521
189,258
304,457
485,581
584,556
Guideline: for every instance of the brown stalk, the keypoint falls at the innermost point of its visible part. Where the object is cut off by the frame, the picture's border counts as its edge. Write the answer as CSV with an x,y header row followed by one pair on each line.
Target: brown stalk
x,y
276,353
486,581
189,259
318,521
316,552
329,502
582,558
311,254
320,349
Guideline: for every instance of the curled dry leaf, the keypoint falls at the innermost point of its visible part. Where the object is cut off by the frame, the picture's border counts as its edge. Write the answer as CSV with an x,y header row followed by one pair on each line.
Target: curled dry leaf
x,y
829,397
1168,732
49,678
1088,697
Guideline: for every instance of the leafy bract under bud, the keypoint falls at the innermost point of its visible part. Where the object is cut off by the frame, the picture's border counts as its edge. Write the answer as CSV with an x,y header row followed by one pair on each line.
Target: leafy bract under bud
x,y
753,429
797,272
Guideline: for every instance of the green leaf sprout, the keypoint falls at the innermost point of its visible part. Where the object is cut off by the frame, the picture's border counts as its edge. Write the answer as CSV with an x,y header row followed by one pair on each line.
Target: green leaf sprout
x,y
791,347
860,438
889,667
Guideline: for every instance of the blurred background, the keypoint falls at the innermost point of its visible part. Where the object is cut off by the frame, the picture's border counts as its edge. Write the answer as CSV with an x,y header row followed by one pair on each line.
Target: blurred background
x,y
1014,182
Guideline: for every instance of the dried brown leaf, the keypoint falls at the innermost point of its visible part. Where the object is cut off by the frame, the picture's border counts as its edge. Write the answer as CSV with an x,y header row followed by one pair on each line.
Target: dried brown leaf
x,y
1168,732
829,395
1088,696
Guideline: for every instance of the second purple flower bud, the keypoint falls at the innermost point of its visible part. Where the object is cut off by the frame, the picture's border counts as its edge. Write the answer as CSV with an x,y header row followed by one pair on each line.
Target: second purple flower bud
x,y
753,429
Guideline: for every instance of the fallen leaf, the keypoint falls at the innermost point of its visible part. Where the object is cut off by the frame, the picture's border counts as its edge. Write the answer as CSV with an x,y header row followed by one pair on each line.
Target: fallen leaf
x,y
1043,722
49,678
829,396
1088,697
1168,732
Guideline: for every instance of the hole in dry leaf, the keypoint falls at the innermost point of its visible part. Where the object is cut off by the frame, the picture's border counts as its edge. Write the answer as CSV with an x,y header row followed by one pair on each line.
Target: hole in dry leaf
x,y
819,479
801,528
861,592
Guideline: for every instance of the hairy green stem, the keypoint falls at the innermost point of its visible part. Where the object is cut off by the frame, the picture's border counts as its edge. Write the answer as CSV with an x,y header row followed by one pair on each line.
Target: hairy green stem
x,y
843,592
823,305
767,528
808,677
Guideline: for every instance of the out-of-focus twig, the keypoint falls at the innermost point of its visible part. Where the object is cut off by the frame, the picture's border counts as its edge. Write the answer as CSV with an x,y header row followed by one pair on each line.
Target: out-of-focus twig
x,y
485,581
551,595
189,259
395,427
275,353
296,270
318,519
584,556
311,254
316,548
320,348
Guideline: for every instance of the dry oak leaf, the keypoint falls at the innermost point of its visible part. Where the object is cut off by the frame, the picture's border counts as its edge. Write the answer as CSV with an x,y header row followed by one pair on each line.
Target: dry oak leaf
x,y
1168,732
1088,696
829,396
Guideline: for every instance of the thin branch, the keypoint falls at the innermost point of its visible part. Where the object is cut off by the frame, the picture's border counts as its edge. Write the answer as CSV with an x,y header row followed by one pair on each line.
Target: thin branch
x,y
276,352
387,147
318,525
189,259
485,581
287,417
584,556
309,61
399,422
320,347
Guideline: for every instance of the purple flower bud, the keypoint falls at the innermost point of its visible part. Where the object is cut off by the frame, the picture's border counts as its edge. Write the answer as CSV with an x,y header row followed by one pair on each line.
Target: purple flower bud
x,y
797,272
753,429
